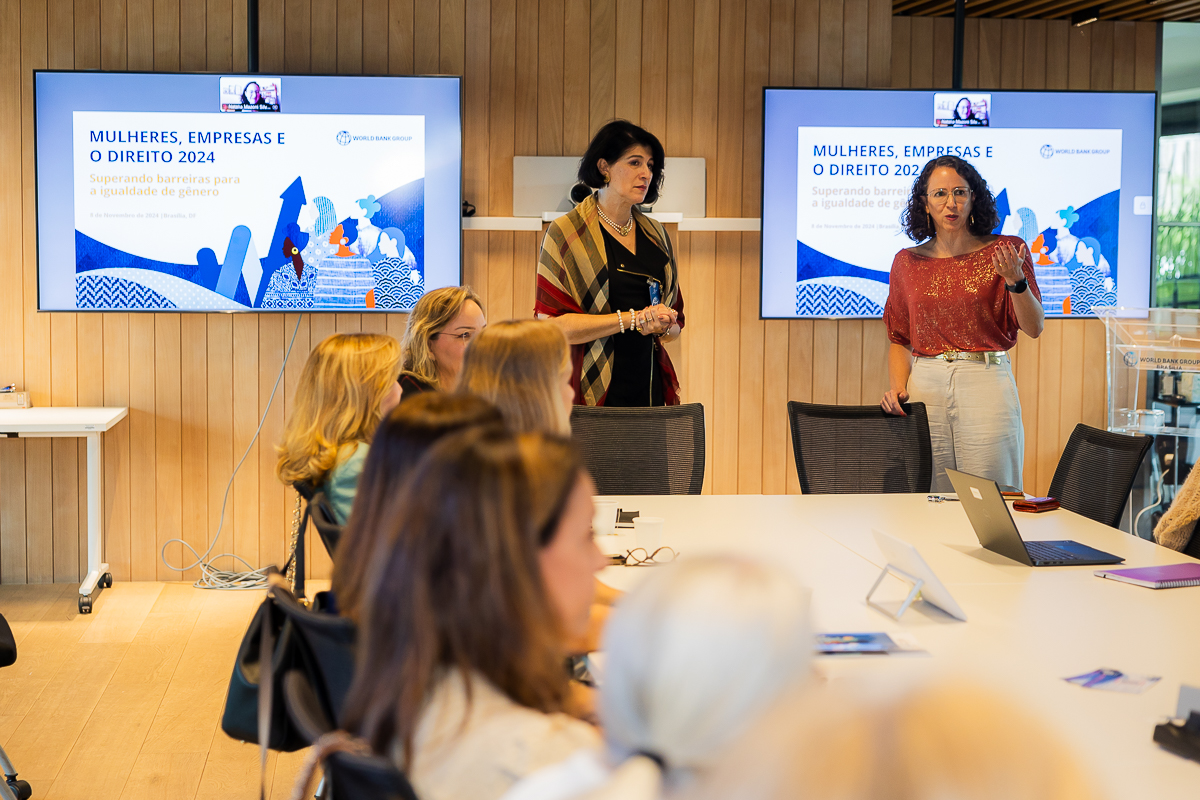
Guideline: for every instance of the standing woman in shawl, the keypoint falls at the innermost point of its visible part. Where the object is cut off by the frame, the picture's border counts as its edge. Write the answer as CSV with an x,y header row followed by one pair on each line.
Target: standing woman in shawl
x,y
607,276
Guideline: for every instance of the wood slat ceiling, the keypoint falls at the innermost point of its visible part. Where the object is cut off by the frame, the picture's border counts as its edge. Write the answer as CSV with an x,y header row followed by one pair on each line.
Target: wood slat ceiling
x,y
1147,10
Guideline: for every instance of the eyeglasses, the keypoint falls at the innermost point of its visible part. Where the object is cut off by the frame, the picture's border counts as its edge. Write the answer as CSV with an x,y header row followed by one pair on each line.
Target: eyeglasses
x,y
465,336
940,196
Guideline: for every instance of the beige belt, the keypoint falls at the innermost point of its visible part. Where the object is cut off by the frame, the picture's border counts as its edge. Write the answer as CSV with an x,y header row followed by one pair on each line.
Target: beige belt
x,y
985,357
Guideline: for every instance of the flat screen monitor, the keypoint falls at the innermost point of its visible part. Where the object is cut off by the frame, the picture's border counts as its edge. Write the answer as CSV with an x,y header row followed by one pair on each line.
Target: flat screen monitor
x,y
1072,174
215,193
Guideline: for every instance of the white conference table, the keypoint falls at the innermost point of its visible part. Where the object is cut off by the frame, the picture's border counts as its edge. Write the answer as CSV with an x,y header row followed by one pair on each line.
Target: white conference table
x,y
89,423
1027,629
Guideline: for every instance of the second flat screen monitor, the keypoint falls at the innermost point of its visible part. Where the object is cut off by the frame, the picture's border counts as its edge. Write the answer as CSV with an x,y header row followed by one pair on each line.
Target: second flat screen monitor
x,y
1072,173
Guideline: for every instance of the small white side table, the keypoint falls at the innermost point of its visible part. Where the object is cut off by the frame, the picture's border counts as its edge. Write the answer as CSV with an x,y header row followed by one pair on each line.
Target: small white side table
x,y
89,423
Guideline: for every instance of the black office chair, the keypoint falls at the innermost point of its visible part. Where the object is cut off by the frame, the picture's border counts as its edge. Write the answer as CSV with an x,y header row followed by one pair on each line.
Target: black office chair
x,y
318,509
10,787
658,450
860,449
322,516
1096,472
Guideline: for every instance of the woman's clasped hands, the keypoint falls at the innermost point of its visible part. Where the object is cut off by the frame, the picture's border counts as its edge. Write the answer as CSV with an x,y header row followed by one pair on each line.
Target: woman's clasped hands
x,y
655,320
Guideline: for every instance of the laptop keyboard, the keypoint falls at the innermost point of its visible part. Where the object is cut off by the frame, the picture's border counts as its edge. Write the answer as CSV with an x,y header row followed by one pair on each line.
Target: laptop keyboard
x,y
1040,551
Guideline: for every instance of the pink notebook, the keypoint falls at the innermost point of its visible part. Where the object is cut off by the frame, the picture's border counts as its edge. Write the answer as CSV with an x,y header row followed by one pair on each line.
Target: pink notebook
x,y
1169,577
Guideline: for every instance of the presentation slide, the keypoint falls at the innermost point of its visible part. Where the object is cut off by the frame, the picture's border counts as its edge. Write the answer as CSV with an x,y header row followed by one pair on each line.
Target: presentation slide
x,y
260,193
1078,189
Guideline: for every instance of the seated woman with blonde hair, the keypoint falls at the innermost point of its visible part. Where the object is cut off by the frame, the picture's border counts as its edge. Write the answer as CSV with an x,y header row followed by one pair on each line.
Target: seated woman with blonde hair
x,y
439,329
524,368
348,385
946,741
484,571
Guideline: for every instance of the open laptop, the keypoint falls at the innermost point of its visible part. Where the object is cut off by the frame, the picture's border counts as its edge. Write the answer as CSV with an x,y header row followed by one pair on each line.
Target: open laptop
x,y
993,524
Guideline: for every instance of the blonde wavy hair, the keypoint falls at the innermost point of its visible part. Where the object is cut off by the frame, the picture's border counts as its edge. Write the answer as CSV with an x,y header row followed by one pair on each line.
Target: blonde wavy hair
x,y
518,365
433,312
337,402
940,741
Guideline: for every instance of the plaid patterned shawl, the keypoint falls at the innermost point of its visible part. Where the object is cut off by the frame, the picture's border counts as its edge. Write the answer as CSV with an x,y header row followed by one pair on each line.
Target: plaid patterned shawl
x,y
572,278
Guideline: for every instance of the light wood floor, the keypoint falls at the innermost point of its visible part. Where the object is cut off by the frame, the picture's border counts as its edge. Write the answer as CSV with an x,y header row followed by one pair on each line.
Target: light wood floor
x,y
126,702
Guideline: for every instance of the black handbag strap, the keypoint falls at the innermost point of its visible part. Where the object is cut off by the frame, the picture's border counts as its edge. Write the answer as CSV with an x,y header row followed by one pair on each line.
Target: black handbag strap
x,y
266,678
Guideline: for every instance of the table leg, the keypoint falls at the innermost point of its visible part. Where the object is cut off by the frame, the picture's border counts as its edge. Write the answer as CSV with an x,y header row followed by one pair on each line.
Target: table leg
x,y
98,576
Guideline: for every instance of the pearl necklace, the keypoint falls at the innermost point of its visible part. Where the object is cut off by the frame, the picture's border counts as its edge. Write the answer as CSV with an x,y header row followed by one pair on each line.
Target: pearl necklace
x,y
623,230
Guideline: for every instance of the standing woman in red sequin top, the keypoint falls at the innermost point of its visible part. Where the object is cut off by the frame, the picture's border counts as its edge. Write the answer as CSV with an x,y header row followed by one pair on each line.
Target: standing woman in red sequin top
x,y
956,303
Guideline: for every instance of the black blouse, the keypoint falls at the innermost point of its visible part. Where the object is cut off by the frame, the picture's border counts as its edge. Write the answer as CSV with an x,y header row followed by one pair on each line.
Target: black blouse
x,y
636,378
411,386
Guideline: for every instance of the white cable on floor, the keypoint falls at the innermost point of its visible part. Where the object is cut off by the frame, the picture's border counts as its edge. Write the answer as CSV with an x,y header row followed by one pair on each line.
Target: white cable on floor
x,y
210,576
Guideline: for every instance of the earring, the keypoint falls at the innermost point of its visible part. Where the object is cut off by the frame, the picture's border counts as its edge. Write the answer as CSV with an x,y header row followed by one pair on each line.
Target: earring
x,y
606,180
972,218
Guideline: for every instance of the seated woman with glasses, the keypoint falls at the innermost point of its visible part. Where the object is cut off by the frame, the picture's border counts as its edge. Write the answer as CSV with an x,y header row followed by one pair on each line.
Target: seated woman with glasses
x,y
483,572
347,386
955,306
439,329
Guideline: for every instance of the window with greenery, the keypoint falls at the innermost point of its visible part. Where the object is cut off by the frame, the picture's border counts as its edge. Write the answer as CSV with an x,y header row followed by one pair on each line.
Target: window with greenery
x,y
1177,278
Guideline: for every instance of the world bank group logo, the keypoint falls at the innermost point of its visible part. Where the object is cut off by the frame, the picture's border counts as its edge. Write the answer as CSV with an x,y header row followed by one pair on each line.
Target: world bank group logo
x,y
1130,358
1047,151
343,137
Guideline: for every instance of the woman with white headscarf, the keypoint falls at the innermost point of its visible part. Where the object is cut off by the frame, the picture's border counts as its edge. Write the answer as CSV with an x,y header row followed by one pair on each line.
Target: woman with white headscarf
x,y
692,657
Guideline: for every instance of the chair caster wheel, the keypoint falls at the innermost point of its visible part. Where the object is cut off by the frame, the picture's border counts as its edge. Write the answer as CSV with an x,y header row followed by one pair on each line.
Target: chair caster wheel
x,y
106,580
85,605
21,789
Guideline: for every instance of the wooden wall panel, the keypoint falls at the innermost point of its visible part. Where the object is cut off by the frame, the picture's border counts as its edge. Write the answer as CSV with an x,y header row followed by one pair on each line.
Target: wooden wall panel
x,y
539,77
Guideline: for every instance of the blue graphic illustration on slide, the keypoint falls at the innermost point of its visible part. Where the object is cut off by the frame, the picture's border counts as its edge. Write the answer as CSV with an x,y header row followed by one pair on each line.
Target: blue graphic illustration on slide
x,y
372,258
103,291
827,287
1075,259
1074,263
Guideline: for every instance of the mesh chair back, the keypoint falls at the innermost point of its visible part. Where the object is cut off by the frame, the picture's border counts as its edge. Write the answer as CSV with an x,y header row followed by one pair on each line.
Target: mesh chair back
x,y
328,643
323,519
657,450
1096,472
354,777
860,449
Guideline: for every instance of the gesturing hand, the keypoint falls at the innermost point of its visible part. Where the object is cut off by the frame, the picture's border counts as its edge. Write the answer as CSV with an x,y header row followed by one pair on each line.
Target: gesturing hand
x,y
1007,261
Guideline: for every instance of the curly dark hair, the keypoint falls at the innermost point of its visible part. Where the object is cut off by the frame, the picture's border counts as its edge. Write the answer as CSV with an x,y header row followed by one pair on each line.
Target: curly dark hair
x,y
915,219
613,141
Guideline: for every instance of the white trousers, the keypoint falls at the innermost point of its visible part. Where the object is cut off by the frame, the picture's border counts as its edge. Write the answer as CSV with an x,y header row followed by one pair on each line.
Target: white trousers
x,y
974,419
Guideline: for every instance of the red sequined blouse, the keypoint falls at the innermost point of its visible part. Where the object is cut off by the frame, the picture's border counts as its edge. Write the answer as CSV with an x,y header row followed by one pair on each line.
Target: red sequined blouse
x,y
936,305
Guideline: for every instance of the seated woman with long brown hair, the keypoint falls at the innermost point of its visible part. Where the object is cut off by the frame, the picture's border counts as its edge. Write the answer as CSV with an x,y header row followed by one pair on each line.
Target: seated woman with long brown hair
x,y
404,436
348,385
484,572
